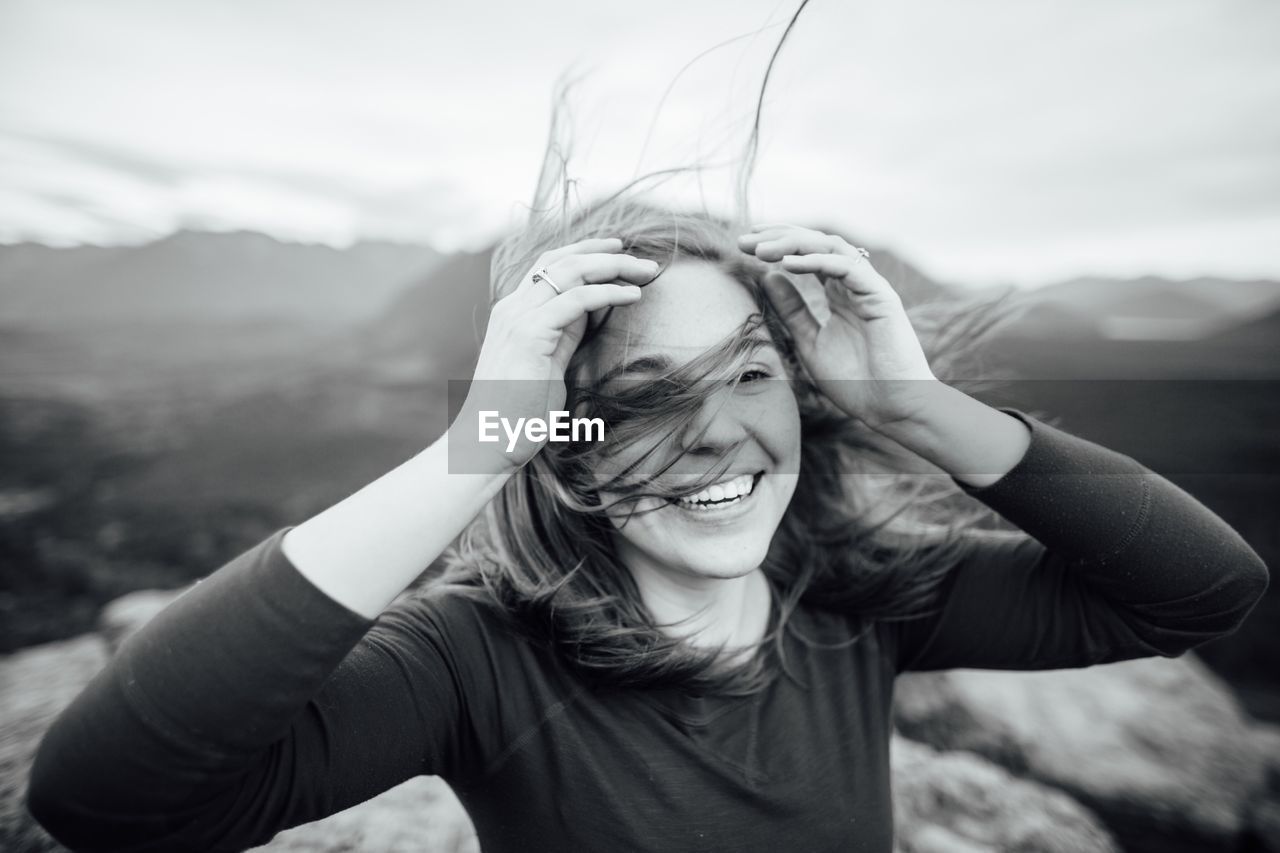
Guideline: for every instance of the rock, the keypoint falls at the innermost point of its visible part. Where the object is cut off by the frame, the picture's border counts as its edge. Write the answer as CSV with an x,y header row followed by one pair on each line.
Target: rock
x,y
1264,827
35,685
1266,739
130,612
1157,748
1264,814
957,802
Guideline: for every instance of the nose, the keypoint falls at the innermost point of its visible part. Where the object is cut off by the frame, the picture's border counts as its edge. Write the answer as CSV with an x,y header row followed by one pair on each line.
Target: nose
x,y
722,424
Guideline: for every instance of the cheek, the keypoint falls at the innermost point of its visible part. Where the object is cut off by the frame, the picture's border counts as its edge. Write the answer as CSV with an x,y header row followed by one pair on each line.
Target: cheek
x,y
612,469
626,515
632,462
643,529
777,425
632,515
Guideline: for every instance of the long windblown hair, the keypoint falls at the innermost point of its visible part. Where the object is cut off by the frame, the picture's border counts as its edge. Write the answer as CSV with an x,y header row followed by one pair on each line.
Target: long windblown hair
x,y
864,535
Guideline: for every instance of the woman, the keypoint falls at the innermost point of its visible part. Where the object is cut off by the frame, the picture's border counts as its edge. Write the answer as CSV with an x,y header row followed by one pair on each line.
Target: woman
x,y
681,638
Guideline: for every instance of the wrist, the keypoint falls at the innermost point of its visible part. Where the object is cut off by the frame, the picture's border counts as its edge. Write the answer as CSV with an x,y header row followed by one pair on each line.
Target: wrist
x,y
973,442
366,549
919,405
467,454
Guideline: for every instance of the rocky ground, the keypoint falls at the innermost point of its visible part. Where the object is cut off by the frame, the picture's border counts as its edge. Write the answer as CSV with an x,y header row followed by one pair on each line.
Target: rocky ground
x,y
1151,755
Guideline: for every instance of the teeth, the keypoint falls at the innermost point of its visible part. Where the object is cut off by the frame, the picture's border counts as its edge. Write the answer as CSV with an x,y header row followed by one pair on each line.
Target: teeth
x,y
738,487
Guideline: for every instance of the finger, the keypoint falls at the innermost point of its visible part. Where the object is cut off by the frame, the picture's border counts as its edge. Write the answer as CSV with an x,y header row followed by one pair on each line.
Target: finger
x,y
777,246
857,278
767,225
834,266
592,245
573,271
791,307
748,242
570,337
602,268
595,245
862,278
569,306
755,238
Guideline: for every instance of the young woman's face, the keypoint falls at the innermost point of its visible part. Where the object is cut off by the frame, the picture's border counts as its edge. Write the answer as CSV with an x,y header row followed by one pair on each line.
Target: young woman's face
x,y
690,308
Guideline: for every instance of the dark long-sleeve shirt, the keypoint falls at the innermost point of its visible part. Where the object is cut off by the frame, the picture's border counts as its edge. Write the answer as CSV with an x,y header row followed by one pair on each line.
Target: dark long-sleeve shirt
x,y
255,702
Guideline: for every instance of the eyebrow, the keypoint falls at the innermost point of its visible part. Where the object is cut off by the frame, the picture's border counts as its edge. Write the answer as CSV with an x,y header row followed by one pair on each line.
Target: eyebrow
x,y
657,363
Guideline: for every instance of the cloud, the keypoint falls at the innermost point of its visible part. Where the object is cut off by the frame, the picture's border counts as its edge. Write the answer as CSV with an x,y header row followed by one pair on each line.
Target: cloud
x,y
987,140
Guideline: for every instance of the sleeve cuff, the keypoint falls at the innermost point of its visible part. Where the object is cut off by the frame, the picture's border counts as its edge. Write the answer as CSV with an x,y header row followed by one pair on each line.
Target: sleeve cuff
x,y
288,584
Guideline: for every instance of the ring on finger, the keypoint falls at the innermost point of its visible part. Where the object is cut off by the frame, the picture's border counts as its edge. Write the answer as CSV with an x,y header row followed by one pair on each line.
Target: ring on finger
x,y
541,275
861,251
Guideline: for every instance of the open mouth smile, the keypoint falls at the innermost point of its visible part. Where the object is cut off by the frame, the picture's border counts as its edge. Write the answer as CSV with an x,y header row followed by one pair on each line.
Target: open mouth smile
x,y
719,497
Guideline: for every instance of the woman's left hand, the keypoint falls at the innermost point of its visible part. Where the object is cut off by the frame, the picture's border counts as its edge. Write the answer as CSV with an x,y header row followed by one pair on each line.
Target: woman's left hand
x,y
866,358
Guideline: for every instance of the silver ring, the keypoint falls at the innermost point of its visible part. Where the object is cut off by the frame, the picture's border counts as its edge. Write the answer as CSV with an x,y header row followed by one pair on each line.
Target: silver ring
x,y
541,275
862,251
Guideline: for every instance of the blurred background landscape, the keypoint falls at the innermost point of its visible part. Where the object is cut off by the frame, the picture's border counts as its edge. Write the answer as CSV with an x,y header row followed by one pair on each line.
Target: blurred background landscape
x,y
244,248
165,406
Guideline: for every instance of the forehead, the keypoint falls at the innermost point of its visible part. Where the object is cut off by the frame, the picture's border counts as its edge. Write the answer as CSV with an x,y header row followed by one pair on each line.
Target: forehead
x,y
689,308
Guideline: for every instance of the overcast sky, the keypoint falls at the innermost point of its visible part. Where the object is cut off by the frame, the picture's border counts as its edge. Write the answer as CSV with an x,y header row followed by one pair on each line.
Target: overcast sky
x,y
986,142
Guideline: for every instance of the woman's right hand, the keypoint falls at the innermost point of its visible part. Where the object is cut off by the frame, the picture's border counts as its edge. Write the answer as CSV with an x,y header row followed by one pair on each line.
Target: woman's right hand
x,y
532,334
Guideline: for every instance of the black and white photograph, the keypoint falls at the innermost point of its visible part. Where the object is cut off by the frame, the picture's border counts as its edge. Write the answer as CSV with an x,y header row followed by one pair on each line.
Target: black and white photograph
x,y
742,427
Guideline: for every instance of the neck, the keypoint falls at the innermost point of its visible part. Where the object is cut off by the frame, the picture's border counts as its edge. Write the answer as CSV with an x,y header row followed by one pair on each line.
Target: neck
x,y
706,612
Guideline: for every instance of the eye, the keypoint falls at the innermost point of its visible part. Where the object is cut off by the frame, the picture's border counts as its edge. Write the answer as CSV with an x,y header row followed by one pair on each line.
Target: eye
x,y
753,375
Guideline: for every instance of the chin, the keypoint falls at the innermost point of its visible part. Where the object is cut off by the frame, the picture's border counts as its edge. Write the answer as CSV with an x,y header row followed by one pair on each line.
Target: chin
x,y
724,568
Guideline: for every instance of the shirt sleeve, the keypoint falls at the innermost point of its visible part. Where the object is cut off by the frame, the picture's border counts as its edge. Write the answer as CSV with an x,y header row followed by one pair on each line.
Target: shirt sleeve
x,y
251,704
1119,564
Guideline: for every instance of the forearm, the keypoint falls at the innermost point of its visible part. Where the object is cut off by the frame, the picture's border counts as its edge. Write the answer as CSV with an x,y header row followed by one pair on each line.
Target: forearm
x,y
965,437
1139,540
1123,564
1175,571
364,550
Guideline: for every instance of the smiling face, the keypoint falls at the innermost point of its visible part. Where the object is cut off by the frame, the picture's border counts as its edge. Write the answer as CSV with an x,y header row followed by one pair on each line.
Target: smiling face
x,y
755,428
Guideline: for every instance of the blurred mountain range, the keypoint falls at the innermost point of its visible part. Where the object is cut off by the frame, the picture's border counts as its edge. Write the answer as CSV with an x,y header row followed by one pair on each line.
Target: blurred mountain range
x,y
165,406
1149,307
201,277
204,311
396,292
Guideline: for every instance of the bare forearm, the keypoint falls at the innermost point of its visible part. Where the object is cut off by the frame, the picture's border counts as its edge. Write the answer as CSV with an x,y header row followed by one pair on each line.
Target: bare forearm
x,y
366,549
965,437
